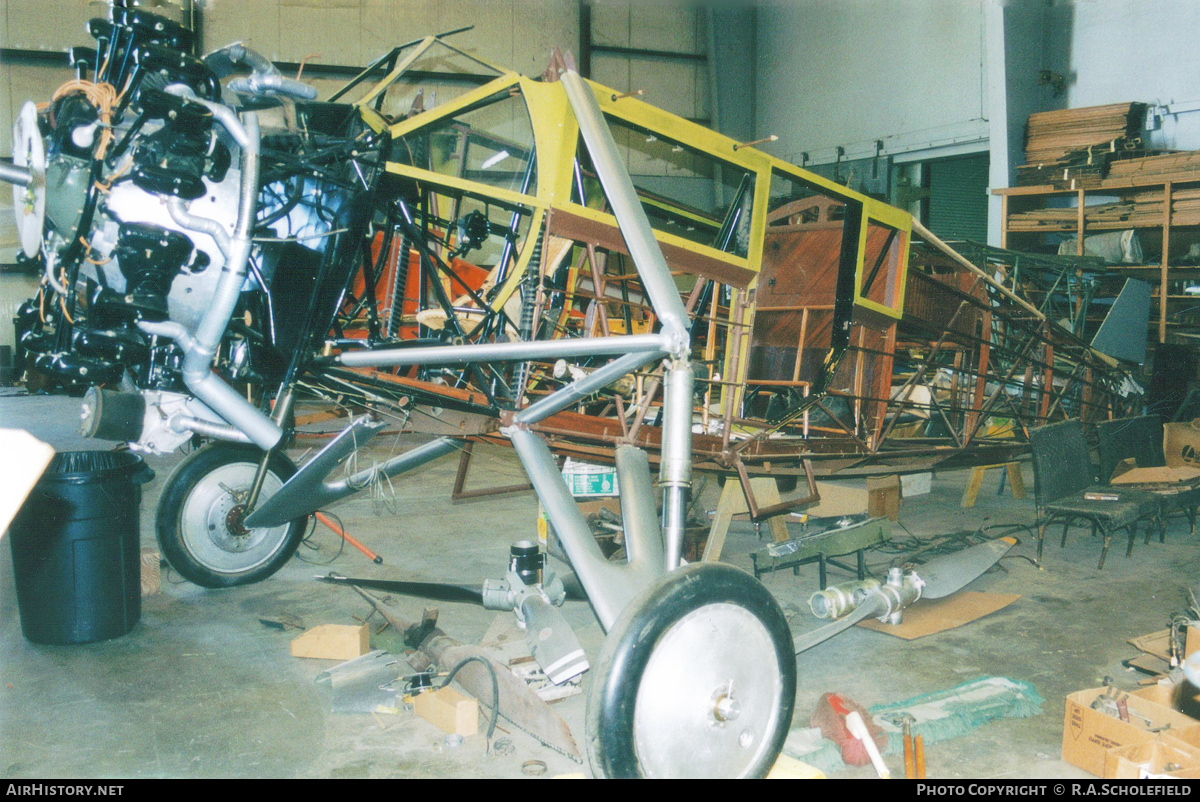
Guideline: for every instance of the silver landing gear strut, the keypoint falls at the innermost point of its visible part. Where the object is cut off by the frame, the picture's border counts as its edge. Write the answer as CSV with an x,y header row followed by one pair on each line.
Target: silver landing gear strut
x,y
697,675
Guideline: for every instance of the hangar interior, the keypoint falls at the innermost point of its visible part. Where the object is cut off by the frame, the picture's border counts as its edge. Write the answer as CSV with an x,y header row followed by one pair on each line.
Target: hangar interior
x,y
735,389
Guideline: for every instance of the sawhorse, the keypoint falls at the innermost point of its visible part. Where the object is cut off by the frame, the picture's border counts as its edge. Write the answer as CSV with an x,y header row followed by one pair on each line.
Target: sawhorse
x,y
1013,471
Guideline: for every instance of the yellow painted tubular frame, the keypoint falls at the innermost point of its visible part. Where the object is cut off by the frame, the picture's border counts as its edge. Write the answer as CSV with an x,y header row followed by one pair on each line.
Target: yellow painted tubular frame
x,y
893,218
402,67
456,184
453,107
695,137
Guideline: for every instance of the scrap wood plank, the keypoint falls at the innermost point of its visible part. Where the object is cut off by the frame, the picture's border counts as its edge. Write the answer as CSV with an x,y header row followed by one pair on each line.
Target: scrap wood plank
x,y
518,704
1155,643
1148,664
449,710
333,642
27,459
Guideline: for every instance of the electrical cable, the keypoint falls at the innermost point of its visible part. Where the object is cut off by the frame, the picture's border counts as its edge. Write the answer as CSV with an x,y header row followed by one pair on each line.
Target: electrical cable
x,y
495,714
305,541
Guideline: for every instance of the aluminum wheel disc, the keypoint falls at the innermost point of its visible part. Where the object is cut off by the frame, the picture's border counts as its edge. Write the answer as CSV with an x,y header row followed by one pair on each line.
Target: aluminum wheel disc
x,y
709,696
209,518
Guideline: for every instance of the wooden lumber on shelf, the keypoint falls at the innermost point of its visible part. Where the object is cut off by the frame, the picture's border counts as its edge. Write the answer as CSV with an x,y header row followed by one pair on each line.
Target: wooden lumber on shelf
x,y
1076,146
1153,168
1139,210
1051,135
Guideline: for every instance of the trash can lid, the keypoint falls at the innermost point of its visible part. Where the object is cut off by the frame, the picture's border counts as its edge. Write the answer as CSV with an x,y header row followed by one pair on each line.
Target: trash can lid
x,y
78,467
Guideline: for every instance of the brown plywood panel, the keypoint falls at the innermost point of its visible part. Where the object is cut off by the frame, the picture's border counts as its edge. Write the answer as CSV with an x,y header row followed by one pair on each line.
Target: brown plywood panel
x,y
539,26
609,236
256,24
49,24
332,33
803,267
930,304
492,37
939,615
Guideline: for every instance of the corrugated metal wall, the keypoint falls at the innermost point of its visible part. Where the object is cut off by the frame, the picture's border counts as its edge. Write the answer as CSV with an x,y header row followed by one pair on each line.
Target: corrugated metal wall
x,y
958,197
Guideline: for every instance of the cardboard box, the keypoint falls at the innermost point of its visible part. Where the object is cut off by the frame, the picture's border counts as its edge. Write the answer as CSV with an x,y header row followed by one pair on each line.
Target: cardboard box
x,y
1165,696
839,498
1189,736
883,497
1165,475
586,480
1089,734
1150,760
916,484
1181,444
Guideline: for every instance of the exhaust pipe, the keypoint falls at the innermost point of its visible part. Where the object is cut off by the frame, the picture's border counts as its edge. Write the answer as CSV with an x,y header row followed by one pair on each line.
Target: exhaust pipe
x,y
200,348
15,174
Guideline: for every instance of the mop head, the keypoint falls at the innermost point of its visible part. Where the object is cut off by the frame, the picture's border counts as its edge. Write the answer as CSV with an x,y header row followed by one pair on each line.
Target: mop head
x,y
946,714
808,745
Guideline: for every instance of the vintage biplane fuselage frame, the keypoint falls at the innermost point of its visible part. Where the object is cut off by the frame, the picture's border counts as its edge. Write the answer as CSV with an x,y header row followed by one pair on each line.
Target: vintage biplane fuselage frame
x,y
828,343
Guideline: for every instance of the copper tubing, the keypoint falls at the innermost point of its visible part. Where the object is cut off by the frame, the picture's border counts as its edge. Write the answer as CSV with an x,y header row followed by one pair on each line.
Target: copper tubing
x,y
919,756
910,770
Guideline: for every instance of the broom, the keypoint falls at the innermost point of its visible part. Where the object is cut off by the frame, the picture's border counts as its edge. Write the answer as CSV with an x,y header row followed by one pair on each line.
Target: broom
x,y
942,715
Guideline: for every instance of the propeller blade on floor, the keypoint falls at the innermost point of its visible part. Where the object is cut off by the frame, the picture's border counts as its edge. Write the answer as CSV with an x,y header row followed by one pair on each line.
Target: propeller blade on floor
x,y
869,609
435,591
551,641
950,574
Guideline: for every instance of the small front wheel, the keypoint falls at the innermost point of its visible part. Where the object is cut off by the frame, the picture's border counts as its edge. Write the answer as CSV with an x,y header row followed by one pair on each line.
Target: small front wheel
x,y
697,678
200,512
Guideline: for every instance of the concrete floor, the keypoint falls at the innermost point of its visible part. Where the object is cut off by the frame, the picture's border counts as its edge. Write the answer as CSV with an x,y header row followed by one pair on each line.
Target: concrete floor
x,y
200,688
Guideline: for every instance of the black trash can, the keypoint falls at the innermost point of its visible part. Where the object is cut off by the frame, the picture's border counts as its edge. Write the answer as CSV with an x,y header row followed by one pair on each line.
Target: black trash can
x,y
75,548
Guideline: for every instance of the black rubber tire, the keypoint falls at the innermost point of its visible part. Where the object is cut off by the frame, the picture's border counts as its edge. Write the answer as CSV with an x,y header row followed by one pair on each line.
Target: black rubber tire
x,y
627,649
186,478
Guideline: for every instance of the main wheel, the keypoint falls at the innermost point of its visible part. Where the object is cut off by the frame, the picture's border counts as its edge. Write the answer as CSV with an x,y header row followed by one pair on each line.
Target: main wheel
x,y
697,678
200,511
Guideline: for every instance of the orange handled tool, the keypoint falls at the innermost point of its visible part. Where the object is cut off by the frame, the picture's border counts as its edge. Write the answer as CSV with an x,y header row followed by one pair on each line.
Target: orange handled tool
x,y
325,519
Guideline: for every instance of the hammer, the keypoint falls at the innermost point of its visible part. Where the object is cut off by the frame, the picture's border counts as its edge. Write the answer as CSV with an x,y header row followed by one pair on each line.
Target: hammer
x,y
906,720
